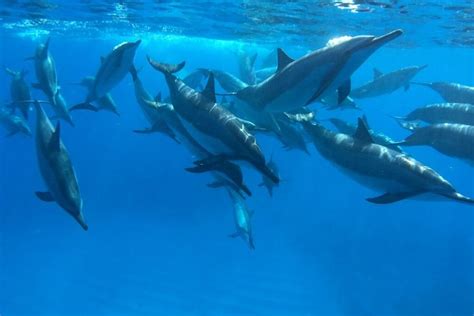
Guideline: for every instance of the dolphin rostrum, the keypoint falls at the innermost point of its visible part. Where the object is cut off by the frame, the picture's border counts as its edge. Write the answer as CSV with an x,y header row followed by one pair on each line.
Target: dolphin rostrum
x,y
387,83
56,168
397,175
297,83
217,129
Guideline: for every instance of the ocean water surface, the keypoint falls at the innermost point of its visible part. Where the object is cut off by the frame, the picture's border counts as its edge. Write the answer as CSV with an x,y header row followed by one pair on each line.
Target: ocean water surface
x,y
158,240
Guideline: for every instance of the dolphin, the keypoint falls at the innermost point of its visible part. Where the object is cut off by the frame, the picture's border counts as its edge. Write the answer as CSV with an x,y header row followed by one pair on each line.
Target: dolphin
x,y
217,129
387,83
455,140
19,91
297,83
457,113
397,175
451,92
331,102
163,118
247,67
48,81
105,102
56,168
45,70
194,79
290,136
13,124
114,67
242,219
269,185
379,138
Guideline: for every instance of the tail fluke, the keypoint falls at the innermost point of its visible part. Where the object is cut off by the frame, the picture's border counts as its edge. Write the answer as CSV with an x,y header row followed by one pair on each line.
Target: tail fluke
x,y
166,68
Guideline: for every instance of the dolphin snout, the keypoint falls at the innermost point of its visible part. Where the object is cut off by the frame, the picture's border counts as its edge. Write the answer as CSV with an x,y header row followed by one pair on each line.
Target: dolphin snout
x,y
138,42
387,37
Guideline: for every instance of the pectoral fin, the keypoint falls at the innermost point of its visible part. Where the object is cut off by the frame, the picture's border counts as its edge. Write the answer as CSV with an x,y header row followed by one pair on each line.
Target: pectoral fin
x,y
45,196
343,91
388,197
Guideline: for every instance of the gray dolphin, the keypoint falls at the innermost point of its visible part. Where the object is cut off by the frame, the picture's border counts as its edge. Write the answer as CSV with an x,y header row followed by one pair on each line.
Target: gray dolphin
x,y
13,124
269,185
458,113
105,102
379,138
48,81
217,129
291,136
264,73
297,83
19,91
387,83
451,92
56,168
227,81
242,219
455,140
378,167
163,118
113,68
45,70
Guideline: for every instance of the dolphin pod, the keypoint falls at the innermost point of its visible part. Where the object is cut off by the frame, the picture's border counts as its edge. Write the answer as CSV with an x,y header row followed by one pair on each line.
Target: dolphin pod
x,y
275,100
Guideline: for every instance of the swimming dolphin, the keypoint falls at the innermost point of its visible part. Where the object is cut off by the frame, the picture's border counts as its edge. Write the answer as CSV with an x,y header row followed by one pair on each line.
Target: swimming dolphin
x,y
227,81
457,113
214,127
242,219
56,168
246,67
330,101
290,136
114,67
378,167
455,140
45,70
48,81
297,83
387,83
269,185
105,102
451,92
13,124
379,138
163,118
19,91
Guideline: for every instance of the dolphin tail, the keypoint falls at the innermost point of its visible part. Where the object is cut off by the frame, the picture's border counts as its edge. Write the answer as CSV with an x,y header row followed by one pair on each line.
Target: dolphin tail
x,y
84,106
251,243
166,68
458,197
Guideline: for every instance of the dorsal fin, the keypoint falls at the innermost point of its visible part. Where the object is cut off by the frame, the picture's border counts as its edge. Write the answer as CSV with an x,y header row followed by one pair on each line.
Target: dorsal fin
x,y
55,141
283,59
377,73
362,133
158,97
210,91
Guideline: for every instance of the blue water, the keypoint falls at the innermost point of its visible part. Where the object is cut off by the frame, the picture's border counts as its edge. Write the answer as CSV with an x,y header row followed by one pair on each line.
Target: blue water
x,y
158,236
